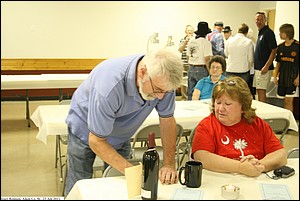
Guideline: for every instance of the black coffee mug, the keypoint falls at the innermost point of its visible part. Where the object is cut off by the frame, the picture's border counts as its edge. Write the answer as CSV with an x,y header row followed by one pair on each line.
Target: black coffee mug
x,y
192,174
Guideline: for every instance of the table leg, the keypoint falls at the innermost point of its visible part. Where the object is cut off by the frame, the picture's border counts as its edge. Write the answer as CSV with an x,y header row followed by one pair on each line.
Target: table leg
x,y
56,150
27,108
58,157
61,95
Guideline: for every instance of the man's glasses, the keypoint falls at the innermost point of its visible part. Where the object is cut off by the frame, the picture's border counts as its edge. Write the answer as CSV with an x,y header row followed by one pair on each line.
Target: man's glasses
x,y
158,91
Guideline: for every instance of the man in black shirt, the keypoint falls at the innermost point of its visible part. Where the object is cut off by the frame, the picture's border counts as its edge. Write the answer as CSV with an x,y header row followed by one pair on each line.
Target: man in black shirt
x,y
264,55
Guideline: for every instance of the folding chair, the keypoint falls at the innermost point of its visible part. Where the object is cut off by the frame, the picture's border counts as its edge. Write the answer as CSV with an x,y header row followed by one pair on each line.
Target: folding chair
x,y
279,126
112,172
61,139
293,153
98,165
142,137
184,148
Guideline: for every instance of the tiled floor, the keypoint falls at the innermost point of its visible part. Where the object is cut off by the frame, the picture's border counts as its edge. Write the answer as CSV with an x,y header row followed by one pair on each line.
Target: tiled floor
x,y
27,164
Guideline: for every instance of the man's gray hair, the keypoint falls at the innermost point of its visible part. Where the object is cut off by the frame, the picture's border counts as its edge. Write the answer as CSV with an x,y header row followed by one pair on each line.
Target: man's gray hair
x,y
167,63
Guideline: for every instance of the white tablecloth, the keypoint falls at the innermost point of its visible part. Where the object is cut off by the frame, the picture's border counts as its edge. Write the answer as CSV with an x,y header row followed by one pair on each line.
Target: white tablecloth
x,y
51,118
114,188
43,81
272,90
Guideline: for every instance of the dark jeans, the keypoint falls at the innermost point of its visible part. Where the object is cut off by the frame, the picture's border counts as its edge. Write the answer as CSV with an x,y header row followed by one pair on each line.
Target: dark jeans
x,y
194,75
250,84
247,77
81,159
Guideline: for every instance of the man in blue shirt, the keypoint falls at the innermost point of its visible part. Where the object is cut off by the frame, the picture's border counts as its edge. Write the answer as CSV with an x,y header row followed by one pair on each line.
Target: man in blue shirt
x,y
216,39
112,103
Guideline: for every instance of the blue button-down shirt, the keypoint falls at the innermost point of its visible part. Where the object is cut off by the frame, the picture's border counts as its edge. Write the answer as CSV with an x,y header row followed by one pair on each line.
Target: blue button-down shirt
x,y
109,105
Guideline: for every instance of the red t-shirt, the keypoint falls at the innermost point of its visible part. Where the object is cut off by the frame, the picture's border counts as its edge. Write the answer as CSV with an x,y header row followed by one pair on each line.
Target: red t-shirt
x,y
242,139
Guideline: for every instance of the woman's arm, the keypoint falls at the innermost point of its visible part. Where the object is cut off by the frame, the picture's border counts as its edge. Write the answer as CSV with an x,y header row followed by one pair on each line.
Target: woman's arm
x,y
219,163
274,160
196,94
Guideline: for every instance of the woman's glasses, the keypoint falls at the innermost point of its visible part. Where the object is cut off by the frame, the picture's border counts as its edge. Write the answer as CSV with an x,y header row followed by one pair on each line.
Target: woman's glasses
x,y
231,82
228,82
216,67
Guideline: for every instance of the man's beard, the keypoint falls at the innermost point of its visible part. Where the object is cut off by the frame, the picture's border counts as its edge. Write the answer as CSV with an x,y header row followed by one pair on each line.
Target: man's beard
x,y
144,95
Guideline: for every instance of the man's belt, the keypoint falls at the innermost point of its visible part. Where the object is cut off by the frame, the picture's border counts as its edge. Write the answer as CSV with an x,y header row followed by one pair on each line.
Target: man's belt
x,y
202,65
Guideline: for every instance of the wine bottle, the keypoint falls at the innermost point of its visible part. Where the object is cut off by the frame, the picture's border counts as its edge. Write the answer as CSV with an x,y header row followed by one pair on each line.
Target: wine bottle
x,y
150,170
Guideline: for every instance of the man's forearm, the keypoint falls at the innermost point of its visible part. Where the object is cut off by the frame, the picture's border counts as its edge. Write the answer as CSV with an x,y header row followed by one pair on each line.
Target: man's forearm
x,y
271,58
107,153
168,137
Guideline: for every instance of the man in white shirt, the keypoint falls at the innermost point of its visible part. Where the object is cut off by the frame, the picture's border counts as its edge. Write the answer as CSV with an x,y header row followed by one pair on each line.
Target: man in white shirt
x,y
239,51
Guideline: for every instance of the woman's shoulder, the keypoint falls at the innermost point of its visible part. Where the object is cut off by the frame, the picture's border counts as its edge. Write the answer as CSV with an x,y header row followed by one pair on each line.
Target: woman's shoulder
x,y
208,120
259,122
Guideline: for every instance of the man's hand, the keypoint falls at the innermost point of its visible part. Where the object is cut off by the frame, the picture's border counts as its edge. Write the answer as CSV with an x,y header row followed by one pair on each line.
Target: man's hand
x,y
168,175
264,70
188,38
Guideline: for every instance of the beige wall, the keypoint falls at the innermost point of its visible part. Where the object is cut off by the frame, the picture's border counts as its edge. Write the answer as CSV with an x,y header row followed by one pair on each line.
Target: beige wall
x,y
77,29
287,12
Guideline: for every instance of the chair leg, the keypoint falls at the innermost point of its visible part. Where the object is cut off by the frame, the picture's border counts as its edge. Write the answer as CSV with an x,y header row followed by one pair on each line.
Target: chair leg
x,y
60,162
65,177
281,138
56,151
185,151
177,160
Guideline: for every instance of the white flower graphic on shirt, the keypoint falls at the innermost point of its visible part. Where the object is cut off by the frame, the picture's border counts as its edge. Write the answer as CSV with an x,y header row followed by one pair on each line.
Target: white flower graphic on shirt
x,y
240,144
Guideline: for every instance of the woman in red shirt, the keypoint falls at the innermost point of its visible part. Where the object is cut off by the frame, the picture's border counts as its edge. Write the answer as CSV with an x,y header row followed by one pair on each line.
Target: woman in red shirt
x,y
232,138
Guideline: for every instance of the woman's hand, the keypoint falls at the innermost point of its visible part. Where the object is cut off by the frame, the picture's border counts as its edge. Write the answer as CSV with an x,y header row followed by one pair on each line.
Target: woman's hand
x,y
250,166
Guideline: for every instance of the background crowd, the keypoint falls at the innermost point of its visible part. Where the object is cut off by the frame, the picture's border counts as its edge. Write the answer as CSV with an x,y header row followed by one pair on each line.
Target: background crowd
x,y
250,59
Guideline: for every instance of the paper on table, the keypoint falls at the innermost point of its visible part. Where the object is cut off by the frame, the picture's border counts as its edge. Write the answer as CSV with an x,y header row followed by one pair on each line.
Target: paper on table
x,y
187,194
134,180
275,192
192,107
